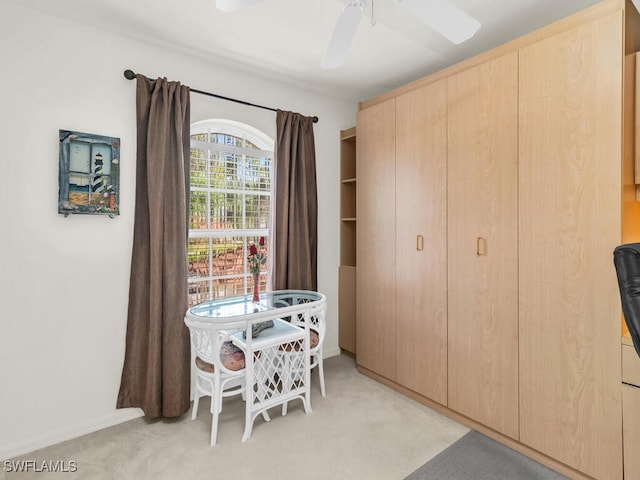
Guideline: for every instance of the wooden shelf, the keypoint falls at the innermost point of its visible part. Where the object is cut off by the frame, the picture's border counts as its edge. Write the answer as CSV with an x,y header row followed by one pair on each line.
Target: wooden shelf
x,y
348,134
348,243
348,155
347,270
347,308
348,199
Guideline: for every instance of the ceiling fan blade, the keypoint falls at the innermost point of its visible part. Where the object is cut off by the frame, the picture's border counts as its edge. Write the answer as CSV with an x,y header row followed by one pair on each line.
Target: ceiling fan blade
x,y
445,18
232,5
336,54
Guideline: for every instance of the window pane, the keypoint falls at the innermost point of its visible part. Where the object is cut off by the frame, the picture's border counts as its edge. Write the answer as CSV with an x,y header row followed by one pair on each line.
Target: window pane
x,y
199,292
257,211
198,210
223,139
230,261
199,254
222,245
226,209
217,170
225,170
257,174
198,167
236,288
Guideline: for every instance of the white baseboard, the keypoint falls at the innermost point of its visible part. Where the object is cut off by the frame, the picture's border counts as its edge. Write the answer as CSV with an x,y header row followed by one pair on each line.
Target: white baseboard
x,y
67,433
330,353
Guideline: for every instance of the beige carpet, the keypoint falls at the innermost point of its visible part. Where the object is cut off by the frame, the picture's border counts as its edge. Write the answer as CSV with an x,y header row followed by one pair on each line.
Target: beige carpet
x,y
361,429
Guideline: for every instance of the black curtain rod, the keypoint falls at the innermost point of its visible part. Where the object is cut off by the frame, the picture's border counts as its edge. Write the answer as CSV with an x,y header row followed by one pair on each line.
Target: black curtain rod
x,y
130,75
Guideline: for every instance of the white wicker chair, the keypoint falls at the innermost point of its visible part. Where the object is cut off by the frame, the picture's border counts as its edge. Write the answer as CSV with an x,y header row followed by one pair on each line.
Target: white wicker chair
x,y
316,318
219,366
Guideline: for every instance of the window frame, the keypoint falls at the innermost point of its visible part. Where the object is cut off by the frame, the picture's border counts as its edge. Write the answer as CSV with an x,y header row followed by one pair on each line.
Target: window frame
x,y
265,146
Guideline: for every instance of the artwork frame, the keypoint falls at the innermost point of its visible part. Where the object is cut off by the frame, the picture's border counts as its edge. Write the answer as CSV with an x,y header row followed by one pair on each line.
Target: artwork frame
x,y
89,174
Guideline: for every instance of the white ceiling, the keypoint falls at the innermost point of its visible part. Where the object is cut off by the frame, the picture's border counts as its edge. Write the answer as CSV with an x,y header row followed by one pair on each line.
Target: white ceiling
x,y
288,38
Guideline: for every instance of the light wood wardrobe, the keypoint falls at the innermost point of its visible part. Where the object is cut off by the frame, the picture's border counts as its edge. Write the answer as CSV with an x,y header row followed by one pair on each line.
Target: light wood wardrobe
x,y
489,202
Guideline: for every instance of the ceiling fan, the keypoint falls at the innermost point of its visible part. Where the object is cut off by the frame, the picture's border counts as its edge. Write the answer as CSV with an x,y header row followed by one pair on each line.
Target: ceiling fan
x,y
445,18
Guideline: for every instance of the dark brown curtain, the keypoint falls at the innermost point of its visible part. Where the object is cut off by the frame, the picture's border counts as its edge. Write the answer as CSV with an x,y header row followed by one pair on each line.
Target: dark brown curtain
x,y
295,225
156,372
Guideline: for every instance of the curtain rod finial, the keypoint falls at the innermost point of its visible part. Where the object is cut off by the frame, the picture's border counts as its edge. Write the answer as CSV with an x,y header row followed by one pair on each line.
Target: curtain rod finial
x,y
315,119
129,75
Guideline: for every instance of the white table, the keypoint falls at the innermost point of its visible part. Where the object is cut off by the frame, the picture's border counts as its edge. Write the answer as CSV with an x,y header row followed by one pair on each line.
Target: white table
x,y
277,360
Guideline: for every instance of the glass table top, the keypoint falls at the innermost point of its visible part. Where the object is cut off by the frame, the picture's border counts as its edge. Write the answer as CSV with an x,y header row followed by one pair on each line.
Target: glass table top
x,y
243,306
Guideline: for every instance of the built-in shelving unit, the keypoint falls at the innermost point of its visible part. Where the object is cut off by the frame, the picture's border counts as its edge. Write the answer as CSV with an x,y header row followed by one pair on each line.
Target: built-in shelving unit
x,y
347,269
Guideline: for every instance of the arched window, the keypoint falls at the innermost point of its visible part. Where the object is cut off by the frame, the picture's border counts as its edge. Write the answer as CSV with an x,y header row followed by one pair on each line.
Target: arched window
x,y
229,208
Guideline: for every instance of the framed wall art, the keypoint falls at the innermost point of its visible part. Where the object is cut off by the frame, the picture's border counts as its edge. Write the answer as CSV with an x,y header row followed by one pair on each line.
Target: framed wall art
x,y
89,176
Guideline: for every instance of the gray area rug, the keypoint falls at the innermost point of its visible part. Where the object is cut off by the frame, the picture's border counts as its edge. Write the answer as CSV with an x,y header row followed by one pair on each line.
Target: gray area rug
x,y
477,457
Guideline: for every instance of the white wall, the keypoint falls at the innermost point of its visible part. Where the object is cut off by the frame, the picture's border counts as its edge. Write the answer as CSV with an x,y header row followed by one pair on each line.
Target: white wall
x,y
64,281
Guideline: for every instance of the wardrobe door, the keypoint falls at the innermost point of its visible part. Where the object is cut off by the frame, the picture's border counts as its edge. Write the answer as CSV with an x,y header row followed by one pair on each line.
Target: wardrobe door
x,y
421,241
483,241
375,239
570,222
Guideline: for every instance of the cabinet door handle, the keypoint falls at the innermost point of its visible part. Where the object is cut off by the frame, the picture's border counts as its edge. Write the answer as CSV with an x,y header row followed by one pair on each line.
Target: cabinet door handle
x,y
481,246
419,243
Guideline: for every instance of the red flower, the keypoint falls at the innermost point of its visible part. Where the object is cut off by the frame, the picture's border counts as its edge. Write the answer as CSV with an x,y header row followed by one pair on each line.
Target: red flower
x,y
253,250
261,242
